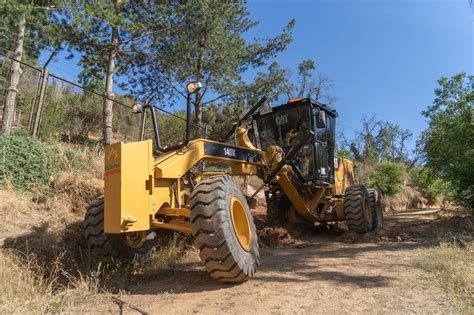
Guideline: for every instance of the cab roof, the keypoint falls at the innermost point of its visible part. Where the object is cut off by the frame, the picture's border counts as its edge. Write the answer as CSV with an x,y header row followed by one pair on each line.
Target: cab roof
x,y
303,101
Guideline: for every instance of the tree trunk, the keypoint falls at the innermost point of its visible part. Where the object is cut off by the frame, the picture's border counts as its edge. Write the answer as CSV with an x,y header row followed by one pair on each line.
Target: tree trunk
x,y
109,82
199,76
15,73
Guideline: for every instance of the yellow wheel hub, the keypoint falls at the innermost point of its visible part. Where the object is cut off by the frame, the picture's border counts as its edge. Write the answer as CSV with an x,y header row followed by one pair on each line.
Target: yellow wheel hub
x,y
241,224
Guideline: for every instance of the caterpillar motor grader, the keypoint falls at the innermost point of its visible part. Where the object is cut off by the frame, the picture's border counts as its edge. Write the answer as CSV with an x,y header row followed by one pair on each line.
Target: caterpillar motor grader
x,y
291,150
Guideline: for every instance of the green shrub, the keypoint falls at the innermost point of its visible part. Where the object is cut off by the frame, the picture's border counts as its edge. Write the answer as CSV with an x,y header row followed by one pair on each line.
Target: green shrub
x,y
386,177
435,187
25,162
343,152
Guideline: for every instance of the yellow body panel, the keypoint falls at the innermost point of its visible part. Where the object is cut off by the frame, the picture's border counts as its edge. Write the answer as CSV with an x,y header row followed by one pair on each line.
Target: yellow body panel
x,y
343,176
128,167
177,163
243,140
137,187
305,209
244,169
140,190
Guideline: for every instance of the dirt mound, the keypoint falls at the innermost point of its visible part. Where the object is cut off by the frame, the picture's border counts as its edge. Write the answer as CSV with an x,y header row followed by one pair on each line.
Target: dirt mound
x,y
274,237
48,227
409,198
277,236
77,190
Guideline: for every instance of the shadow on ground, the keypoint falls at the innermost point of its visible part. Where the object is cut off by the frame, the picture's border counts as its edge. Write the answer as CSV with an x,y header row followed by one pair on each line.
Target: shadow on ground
x,y
404,231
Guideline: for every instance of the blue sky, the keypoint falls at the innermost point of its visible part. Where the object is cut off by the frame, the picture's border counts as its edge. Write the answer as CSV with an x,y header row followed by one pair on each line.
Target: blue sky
x,y
384,56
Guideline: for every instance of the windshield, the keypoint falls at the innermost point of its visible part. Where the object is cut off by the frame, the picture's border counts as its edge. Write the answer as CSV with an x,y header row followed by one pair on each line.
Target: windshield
x,y
284,128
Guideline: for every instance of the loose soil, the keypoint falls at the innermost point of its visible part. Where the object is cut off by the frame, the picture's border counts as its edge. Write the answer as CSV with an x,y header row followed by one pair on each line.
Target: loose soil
x,y
330,270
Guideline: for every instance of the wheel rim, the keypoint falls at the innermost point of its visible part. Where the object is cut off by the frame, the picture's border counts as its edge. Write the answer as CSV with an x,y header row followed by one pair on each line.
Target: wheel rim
x,y
241,223
367,211
134,239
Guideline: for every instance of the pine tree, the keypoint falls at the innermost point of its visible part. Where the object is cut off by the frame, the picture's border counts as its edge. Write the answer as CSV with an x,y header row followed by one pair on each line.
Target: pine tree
x,y
109,35
205,43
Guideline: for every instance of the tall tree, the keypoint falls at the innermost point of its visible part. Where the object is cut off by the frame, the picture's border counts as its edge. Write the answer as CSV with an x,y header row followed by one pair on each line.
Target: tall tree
x,y
207,44
219,117
271,83
379,140
274,83
447,145
309,83
109,35
22,26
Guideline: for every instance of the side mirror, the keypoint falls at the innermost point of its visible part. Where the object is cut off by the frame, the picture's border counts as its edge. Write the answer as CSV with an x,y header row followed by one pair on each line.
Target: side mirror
x,y
321,119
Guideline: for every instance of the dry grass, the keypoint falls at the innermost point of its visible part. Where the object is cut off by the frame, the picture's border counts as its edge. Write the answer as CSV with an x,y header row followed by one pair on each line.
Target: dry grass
x,y
29,286
44,263
76,190
451,257
37,260
453,267
81,158
21,288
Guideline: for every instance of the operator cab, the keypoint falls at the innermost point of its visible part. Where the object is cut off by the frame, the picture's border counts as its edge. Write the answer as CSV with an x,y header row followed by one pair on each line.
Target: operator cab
x,y
286,124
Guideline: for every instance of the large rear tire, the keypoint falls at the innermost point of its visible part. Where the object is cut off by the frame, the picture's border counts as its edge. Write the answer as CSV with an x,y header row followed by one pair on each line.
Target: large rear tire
x,y
224,230
126,246
358,212
376,206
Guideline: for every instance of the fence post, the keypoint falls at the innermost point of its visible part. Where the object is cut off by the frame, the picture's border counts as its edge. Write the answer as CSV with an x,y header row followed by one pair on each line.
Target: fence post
x,y
40,101
34,103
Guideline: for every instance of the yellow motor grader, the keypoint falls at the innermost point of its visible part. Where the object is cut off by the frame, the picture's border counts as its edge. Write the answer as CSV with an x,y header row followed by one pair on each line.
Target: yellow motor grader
x,y
290,147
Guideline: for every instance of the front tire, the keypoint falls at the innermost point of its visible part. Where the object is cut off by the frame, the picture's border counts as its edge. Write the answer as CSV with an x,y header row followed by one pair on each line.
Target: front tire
x,y
224,230
358,212
126,246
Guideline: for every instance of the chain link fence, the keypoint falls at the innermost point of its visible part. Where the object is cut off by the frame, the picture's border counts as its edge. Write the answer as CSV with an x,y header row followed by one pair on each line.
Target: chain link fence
x,y
52,108
73,114
25,90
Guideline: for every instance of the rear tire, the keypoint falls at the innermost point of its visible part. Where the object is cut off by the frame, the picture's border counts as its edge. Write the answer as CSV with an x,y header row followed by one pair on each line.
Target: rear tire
x,y
357,209
126,246
376,206
224,230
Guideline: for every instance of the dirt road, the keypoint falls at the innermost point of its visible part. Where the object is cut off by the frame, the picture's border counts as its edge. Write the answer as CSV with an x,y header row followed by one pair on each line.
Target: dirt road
x,y
328,274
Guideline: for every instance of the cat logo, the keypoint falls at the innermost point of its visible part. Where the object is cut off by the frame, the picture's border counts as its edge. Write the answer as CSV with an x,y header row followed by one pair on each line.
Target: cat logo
x,y
229,152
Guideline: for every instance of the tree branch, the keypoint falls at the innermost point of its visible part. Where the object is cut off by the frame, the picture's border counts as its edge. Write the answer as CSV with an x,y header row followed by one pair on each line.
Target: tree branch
x,y
217,98
205,86
175,88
